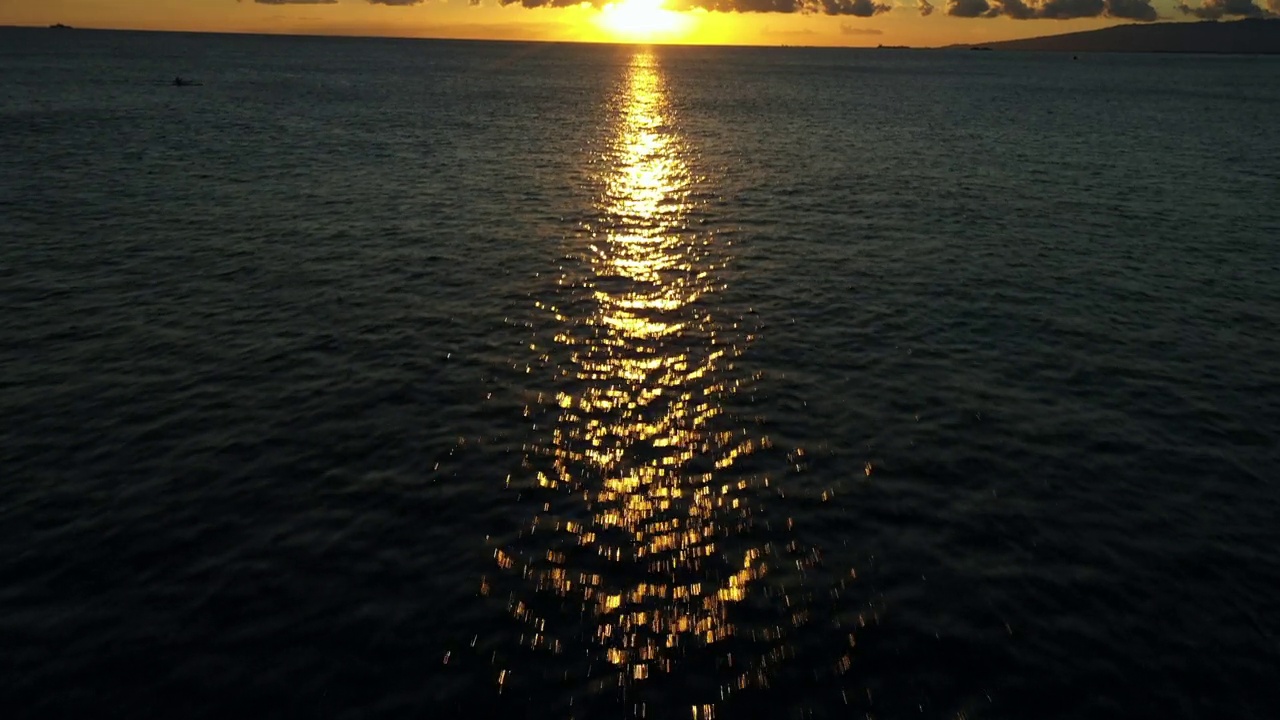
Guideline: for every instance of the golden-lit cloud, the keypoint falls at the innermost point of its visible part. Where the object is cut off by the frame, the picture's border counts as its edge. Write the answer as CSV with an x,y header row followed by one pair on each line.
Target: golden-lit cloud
x,y
1054,9
1218,9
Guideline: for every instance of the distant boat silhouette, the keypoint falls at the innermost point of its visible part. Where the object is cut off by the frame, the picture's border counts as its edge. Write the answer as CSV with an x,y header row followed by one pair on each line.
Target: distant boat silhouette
x,y
179,82
60,26
893,47
980,47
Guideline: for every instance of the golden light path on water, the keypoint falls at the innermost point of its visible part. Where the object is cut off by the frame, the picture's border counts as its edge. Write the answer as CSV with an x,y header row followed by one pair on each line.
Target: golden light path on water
x,y
644,416
645,539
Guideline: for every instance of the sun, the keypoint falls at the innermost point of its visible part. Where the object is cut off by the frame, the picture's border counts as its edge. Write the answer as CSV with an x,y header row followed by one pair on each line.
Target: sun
x,y
642,20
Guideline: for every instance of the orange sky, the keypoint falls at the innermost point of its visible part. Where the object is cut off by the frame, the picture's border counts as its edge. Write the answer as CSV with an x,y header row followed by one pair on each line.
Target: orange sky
x,y
457,18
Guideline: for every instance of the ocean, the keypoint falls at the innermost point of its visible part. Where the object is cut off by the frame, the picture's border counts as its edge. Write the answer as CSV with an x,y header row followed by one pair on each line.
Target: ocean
x,y
392,378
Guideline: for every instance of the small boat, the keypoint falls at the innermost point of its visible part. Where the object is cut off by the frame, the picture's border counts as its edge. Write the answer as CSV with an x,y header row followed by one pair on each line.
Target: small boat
x,y
60,26
179,82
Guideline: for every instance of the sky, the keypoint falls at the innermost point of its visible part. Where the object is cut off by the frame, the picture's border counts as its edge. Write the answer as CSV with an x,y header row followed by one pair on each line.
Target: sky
x,y
919,23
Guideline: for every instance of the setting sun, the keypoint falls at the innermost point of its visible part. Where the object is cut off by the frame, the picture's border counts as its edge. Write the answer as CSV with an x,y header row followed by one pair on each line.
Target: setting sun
x,y
643,20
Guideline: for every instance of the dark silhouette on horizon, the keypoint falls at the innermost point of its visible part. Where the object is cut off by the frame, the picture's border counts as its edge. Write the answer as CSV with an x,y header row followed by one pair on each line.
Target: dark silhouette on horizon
x,y
1250,36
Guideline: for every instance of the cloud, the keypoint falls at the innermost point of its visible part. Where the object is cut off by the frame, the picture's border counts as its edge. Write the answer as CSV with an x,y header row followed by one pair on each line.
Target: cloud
x,y
1217,9
847,29
770,32
856,8
539,3
1062,9
1058,9
970,8
1016,9
1133,10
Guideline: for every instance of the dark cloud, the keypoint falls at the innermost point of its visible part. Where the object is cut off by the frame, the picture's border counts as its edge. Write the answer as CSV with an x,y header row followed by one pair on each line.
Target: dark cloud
x,y
971,8
1133,10
847,29
1063,9
856,8
1017,9
926,8
1057,9
1217,9
540,3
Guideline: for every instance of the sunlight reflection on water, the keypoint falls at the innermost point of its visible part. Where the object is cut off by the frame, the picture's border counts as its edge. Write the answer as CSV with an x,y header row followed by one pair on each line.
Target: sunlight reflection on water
x,y
647,526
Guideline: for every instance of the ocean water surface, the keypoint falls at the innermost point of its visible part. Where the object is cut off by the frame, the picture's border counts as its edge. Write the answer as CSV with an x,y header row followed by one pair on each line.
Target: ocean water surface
x,y
378,378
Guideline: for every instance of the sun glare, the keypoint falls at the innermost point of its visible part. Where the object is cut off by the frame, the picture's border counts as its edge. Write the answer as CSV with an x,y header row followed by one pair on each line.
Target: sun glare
x,y
642,20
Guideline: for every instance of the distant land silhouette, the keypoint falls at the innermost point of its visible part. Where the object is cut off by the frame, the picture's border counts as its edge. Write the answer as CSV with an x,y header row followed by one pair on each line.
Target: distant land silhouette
x,y
1252,36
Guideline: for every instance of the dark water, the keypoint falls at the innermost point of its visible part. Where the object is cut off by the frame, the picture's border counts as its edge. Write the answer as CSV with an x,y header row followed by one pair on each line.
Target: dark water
x,y
427,379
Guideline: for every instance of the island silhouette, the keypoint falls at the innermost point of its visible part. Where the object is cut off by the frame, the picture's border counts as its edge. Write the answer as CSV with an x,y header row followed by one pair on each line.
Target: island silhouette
x,y
1249,36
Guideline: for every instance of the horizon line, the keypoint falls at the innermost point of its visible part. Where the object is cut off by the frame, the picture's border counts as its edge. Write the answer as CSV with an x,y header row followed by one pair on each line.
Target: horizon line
x,y
359,36
992,44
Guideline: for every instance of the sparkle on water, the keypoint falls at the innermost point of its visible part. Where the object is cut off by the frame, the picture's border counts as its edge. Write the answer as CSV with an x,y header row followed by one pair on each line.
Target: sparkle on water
x,y
648,511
